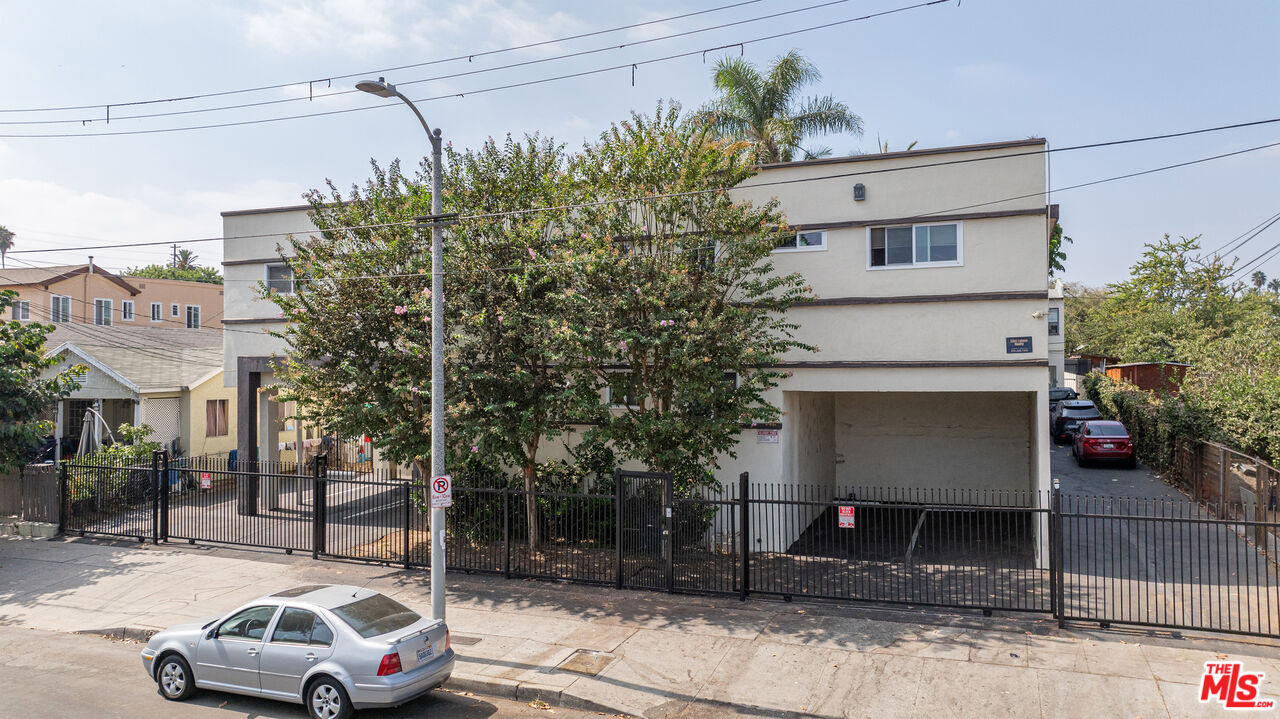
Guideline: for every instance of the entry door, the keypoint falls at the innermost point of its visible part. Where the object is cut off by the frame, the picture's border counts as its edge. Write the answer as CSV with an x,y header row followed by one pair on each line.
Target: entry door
x,y
300,641
230,659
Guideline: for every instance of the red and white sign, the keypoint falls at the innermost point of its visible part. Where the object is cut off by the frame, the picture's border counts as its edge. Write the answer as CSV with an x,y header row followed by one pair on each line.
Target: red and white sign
x,y
846,516
1230,685
442,492
206,482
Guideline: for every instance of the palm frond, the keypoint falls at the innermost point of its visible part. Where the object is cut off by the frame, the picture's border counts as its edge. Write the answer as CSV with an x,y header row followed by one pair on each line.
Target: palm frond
x,y
825,115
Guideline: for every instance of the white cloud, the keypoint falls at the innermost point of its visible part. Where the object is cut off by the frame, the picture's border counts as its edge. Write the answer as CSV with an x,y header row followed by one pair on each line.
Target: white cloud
x,y
491,24
358,27
46,215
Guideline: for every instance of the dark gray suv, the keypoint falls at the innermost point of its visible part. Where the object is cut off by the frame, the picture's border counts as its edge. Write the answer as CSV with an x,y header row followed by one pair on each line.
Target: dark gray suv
x,y
1068,415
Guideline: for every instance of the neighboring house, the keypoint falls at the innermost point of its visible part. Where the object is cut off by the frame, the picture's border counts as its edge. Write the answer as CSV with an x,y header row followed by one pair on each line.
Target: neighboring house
x,y
170,379
90,295
1057,345
1077,366
930,313
1151,376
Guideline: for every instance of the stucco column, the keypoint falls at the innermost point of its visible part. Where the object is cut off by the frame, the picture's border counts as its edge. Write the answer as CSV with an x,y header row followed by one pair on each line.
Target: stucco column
x,y
269,442
247,384
1042,478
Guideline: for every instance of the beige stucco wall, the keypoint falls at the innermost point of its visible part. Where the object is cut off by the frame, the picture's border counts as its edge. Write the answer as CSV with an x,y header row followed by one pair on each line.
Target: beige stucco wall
x,y
194,418
84,289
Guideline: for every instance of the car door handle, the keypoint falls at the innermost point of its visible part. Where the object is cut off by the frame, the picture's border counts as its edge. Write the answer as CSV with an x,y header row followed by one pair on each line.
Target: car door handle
x,y
253,651
309,656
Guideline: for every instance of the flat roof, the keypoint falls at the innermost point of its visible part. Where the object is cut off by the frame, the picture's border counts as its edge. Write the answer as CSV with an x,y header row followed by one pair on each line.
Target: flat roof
x,y
1030,142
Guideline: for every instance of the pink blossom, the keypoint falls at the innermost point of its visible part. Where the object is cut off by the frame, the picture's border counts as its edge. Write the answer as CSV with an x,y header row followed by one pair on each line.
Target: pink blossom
x,y
401,309
532,255
426,292
499,318
622,345
474,449
299,310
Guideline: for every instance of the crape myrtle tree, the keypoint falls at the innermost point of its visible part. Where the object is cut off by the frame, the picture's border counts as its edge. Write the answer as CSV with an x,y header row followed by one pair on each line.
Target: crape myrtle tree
x,y
682,318
514,379
357,359
25,397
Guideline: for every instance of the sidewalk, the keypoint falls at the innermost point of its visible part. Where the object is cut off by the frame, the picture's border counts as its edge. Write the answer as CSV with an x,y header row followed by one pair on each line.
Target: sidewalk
x,y
656,655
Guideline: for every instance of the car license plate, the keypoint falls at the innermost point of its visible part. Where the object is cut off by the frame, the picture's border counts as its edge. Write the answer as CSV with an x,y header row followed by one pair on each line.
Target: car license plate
x,y
1108,445
425,653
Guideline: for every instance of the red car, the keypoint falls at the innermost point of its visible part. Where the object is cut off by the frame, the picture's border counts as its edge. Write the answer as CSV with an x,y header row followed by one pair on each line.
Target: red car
x,y
1103,439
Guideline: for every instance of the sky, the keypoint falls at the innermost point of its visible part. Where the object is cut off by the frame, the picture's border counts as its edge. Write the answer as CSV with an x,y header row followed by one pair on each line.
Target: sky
x,y
955,73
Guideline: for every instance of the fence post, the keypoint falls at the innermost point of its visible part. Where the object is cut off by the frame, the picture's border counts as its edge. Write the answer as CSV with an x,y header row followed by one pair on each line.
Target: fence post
x,y
408,520
164,496
617,522
64,501
155,496
668,535
319,506
744,510
1057,553
506,532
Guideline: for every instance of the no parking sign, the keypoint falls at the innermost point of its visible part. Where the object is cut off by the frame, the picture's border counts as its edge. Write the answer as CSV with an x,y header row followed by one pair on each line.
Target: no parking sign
x,y
442,492
845,516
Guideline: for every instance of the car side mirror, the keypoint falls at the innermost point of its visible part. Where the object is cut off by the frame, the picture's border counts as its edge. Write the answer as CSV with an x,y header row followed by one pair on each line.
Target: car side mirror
x,y
209,634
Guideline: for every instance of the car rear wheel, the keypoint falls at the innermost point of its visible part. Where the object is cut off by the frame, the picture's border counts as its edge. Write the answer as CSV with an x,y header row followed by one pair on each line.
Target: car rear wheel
x,y
175,679
326,699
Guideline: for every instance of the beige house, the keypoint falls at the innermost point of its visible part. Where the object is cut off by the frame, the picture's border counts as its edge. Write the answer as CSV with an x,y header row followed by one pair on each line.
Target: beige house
x,y
90,295
170,379
931,314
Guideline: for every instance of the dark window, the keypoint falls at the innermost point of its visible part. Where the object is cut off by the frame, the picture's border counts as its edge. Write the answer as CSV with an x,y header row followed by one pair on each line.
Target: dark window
x,y
248,624
294,626
299,591
1055,321
1105,430
155,311
215,419
280,278
376,615
812,240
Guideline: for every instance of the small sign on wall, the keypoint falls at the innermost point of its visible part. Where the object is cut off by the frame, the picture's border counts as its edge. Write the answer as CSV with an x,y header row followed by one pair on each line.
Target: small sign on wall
x,y
205,481
845,516
766,436
1017,345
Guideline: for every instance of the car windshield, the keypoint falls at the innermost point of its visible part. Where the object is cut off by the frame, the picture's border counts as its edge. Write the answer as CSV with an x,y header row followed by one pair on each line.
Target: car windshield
x,y
1080,412
1106,430
375,615
1061,393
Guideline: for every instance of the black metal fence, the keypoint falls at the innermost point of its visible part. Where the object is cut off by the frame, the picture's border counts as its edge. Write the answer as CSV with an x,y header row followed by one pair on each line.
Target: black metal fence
x,y
1078,558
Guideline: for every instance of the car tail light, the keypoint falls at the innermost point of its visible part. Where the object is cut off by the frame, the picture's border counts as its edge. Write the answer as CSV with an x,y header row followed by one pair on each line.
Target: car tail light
x,y
390,665
448,640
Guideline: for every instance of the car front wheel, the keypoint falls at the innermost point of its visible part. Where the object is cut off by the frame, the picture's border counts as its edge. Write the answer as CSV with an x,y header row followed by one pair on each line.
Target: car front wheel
x,y
175,679
326,699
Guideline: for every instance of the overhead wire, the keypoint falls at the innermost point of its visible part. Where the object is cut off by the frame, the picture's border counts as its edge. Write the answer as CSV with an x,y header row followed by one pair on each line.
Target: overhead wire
x,y
1235,243
527,83
451,76
469,57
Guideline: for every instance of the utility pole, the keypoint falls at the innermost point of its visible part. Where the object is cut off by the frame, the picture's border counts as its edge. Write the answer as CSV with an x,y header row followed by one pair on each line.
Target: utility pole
x,y
174,262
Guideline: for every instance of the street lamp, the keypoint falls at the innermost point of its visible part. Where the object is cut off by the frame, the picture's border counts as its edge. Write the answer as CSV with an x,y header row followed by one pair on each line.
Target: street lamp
x,y
382,88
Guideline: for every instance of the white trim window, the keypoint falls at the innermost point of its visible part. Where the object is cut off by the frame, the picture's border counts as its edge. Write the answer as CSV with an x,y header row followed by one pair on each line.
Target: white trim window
x,y
156,310
59,308
21,310
808,241
173,309
1055,321
102,312
126,310
193,317
927,245
279,277
618,389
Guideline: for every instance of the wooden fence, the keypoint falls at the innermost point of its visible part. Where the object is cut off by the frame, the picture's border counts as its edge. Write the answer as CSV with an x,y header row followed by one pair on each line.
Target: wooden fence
x,y
1231,484
30,494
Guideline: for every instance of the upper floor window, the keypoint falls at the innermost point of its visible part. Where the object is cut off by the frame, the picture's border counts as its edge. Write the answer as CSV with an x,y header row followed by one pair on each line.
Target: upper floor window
x,y
155,311
193,317
173,309
1055,321
915,245
280,278
21,310
59,308
102,312
126,310
813,240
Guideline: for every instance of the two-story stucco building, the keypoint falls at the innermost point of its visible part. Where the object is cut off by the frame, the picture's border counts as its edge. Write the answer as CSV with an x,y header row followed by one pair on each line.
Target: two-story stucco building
x,y
931,318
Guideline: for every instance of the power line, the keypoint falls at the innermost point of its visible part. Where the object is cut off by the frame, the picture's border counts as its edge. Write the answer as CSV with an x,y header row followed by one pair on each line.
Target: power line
x,y
467,73
1233,241
309,83
859,173
1266,255
625,66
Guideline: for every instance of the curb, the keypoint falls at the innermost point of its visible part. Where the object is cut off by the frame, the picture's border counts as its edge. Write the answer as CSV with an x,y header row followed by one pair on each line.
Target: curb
x,y
132,634
527,692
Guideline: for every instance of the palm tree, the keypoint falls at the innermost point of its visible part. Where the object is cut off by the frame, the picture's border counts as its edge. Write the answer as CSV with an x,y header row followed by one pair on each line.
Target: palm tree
x,y
6,243
1259,279
185,260
766,110
1274,285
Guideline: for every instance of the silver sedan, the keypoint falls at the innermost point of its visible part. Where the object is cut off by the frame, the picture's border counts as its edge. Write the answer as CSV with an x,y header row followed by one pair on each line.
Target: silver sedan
x,y
331,648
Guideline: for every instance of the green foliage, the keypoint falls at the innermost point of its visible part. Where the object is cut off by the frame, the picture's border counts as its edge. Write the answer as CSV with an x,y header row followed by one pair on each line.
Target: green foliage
x,y
25,397
131,448
166,272
765,110
1156,423
1057,251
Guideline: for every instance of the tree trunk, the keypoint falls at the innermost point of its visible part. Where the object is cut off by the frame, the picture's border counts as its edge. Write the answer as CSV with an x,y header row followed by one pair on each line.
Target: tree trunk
x,y
531,504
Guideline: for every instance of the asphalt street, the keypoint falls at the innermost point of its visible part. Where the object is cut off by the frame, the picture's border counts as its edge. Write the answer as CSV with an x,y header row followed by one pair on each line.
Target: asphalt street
x,y
55,675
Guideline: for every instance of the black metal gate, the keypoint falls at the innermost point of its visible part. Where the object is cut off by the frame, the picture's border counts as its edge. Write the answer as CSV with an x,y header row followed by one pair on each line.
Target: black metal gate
x,y
1165,564
644,512
112,499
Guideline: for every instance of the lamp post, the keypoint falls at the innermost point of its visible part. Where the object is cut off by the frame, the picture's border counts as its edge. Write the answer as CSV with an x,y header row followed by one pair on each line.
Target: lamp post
x,y
382,88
